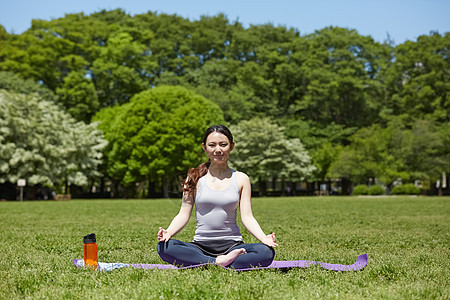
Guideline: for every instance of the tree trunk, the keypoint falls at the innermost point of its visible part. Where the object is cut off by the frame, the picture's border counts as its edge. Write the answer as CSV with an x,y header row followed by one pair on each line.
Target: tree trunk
x,y
309,188
293,188
144,186
115,192
329,186
66,187
283,187
102,184
151,189
346,186
262,192
165,185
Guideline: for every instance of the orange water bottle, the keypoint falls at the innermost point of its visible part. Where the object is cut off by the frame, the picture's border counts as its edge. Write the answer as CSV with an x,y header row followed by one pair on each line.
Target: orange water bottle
x,y
90,251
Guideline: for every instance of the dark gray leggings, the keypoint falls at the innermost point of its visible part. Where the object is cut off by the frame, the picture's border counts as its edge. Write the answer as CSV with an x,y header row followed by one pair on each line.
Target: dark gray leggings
x,y
185,254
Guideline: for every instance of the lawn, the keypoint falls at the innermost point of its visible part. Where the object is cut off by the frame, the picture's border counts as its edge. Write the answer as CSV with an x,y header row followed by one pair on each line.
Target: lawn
x,y
407,240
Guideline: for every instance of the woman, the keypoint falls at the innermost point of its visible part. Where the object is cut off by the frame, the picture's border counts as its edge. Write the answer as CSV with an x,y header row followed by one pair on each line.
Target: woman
x,y
217,191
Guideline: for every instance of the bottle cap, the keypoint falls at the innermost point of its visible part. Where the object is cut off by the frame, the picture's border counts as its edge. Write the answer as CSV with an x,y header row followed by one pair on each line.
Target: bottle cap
x,y
90,238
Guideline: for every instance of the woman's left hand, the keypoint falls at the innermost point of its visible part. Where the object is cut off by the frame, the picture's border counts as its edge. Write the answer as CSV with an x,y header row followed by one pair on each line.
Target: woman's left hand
x,y
270,240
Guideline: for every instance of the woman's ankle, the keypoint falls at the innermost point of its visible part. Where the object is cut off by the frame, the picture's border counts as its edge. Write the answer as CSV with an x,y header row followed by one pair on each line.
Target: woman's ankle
x,y
227,259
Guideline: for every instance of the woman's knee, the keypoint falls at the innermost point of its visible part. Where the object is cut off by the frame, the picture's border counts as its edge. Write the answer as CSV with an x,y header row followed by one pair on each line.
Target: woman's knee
x,y
165,247
258,255
263,250
160,247
167,250
264,253
267,252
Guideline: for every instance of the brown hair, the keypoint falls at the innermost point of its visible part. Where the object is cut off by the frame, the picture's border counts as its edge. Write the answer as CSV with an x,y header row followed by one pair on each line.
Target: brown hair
x,y
189,185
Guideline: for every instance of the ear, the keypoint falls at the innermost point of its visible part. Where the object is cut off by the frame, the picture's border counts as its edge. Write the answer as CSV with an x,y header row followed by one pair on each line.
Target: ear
x,y
232,146
203,147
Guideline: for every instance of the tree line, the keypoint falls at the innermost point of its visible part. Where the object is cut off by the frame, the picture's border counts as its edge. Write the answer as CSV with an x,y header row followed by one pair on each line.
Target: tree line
x,y
331,104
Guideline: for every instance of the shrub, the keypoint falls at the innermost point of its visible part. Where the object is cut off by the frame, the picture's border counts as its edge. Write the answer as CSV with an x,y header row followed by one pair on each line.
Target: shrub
x,y
361,189
405,189
376,190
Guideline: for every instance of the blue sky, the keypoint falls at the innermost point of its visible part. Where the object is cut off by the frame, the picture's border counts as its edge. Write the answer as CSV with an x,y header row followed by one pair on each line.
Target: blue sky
x,y
402,19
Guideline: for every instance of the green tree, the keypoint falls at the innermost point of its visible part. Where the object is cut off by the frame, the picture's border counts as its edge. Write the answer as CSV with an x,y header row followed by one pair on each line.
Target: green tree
x,y
323,142
262,151
78,96
323,157
418,80
322,87
43,144
394,152
169,49
12,82
209,37
30,56
425,150
116,70
218,81
339,77
157,136
369,156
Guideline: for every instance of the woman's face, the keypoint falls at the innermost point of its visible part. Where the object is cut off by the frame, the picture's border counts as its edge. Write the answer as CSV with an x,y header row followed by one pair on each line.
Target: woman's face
x,y
218,147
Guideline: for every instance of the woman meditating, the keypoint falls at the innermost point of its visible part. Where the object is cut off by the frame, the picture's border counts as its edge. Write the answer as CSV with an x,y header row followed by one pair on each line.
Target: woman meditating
x,y
217,191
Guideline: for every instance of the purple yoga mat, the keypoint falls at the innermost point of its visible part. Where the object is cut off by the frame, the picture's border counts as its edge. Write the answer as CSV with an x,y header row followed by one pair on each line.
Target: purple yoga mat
x,y
361,262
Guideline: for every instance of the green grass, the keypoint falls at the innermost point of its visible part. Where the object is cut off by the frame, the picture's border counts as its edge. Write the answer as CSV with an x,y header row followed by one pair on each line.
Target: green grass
x,y
407,240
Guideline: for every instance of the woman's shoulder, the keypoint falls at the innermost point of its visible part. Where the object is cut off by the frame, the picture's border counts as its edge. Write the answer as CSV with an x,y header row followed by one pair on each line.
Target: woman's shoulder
x,y
241,176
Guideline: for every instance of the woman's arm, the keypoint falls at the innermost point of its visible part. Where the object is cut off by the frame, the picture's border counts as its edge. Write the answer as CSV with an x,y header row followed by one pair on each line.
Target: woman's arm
x,y
179,221
246,213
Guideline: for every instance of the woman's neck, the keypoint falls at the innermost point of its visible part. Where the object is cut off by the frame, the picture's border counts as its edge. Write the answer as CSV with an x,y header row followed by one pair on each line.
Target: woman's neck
x,y
220,171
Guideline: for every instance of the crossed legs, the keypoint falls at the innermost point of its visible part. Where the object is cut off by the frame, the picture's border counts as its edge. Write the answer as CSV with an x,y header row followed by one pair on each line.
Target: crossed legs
x,y
243,256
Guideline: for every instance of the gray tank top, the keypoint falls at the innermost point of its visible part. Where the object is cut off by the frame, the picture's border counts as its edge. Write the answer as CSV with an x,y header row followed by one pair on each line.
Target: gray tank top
x,y
216,212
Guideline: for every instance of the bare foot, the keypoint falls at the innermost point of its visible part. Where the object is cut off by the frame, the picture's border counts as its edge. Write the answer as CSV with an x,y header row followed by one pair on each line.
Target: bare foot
x,y
225,260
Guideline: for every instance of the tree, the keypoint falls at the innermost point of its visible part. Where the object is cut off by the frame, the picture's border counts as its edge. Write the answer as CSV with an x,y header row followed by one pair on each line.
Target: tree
x,y
218,81
339,74
157,136
425,150
263,152
394,152
370,156
321,87
78,96
12,82
116,70
31,56
418,80
41,143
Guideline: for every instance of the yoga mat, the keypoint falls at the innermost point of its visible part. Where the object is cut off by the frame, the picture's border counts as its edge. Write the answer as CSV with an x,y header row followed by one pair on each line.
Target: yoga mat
x,y
361,262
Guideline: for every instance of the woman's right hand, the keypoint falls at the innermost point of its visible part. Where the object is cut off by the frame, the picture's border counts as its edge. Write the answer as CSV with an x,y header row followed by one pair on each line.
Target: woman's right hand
x,y
163,235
